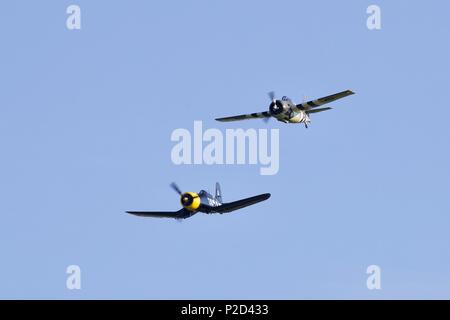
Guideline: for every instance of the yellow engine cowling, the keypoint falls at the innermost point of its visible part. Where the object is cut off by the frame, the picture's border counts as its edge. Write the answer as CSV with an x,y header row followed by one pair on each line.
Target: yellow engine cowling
x,y
190,200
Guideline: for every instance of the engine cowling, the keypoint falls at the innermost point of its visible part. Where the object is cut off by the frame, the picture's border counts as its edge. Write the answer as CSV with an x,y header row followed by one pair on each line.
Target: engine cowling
x,y
190,200
276,107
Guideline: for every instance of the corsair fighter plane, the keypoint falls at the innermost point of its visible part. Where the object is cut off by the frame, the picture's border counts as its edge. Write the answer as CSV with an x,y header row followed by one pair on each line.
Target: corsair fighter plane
x,y
202,201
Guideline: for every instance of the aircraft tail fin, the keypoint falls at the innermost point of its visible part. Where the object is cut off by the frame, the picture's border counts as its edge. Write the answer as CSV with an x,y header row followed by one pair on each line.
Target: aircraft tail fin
x,y
218,192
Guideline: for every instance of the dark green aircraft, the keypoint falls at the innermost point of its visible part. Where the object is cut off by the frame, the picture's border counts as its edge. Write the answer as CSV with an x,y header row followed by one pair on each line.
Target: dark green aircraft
x,y
286,111
202,201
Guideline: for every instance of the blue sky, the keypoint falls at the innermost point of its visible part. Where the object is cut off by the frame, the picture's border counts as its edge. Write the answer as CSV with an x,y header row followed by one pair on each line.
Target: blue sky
x,y
85,124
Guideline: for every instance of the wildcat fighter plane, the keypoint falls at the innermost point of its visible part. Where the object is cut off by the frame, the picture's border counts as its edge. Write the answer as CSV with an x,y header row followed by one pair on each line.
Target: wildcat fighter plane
x,y
202,201
286,111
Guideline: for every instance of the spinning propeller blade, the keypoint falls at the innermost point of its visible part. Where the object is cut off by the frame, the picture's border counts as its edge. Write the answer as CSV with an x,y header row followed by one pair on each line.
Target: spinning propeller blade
x,y
175,187
271,95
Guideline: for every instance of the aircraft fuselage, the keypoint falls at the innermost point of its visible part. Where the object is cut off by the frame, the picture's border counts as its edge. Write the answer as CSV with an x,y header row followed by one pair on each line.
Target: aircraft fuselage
x,y
284,110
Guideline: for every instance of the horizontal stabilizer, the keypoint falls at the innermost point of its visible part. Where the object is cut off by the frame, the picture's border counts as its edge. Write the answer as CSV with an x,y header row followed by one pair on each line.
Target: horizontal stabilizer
x,y
317,110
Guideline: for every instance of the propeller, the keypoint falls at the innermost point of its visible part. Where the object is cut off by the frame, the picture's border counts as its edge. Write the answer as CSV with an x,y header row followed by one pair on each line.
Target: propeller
x,y
271,95
175,187
186,198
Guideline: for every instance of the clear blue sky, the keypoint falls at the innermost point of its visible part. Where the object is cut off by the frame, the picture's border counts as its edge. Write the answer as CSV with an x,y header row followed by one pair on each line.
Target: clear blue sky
x,y
85,124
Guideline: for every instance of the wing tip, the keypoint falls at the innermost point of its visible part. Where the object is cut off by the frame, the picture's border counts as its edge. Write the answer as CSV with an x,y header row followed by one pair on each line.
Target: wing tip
x,y
264,196
136,213
228,119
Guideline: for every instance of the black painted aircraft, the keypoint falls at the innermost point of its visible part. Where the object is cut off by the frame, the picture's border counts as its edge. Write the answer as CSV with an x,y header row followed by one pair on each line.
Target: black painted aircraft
x,y
202,201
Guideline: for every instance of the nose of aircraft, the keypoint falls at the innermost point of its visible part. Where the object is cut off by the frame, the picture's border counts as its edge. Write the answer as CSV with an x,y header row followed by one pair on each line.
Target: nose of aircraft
x,y
276,107
186,199
190,201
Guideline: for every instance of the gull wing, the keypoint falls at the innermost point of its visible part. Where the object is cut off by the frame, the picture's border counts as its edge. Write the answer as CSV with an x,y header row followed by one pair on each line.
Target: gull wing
x,y
255,115
321,101
239,204
180,214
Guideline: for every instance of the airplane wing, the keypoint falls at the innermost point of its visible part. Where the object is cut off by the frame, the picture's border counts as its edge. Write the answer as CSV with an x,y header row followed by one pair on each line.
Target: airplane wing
x,y
256,115
239,204
180,214
321,101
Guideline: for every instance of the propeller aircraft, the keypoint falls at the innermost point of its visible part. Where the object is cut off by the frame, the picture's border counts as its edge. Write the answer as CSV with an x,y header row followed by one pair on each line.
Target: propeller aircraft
x,y
202,201
286,111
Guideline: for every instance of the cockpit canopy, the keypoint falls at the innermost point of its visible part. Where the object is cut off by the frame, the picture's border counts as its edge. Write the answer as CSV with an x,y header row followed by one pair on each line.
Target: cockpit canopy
x,y
204,194
284,98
